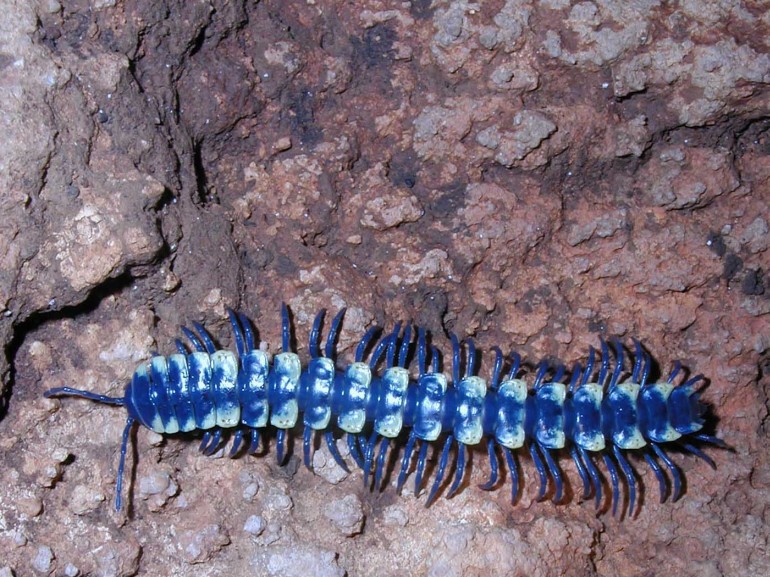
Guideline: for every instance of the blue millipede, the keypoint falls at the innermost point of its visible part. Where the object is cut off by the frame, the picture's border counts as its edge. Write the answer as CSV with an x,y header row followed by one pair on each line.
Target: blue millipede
x,y
202,388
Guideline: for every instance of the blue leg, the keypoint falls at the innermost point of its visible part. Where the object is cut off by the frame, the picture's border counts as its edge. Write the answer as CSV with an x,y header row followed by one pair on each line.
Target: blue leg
x,y
195,342
553,468
513,469
380,468
628,473
393,346
216,442
331,339
542,369
618,363
710,439
237,333
405,344
285,329
581,471
646,369
515,364
422,351
307,444
455,358
559,374
493,464
540,471
314,344
589,365
353,448
332,446
206,338
638,357
205,442
594,474
470,365
379,350
605,363
662,485
247,332
698,453
498,367
369,456
675,474
181,348
364,343
237,442
421,458
615,482
280,446
254,444
577,370
434,358
122,463
674,372
459,470
406,460
441,469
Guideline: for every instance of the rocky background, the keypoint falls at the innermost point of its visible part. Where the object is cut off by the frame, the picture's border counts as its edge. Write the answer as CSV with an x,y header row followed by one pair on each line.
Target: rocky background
x,y
535,174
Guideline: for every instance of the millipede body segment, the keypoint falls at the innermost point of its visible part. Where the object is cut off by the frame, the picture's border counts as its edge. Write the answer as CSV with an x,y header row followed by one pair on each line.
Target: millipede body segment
x,y
594,415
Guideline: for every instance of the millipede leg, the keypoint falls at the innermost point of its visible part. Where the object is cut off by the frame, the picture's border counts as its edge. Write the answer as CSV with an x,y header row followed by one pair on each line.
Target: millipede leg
x,y
421,458
332,446
493,463
406,461
353,448
540,471
237,333
615,482
553,468
628,473
459,470
662,485
379,469
675,473
195,342
441,469
594,474
280,446
254,444
237,442
247,332
208,342
698,453
581,471
710,439
122,462
307,444
369,456
331,339
513,469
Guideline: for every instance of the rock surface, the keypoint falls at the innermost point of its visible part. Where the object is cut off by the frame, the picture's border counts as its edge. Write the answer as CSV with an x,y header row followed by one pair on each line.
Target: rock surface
x,y
536,174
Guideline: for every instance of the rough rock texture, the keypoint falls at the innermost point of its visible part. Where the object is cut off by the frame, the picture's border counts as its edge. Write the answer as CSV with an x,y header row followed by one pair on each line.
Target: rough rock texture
x,y
536,174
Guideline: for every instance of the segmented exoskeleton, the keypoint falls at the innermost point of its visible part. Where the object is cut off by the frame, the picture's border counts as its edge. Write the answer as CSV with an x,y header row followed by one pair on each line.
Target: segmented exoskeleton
x,y
240,396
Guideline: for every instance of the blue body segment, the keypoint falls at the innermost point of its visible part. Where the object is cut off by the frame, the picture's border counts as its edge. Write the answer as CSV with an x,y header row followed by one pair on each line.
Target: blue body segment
x,y
389,412
549,429
587,414
221,393
352,397
469,412
429,406
201,395
653,413
622,402
224,375
252,389
178,392
318,385
511,412
283,383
